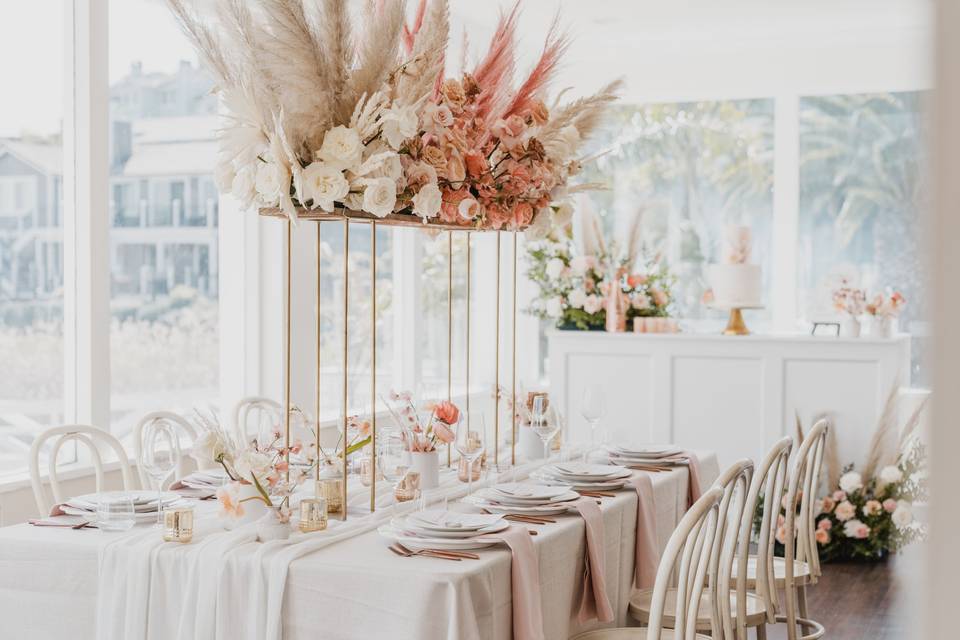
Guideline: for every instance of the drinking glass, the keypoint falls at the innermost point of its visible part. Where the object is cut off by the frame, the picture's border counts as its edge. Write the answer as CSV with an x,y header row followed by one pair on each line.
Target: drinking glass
x,y
592,408
469,441
392,459
115,511
546,427
161,451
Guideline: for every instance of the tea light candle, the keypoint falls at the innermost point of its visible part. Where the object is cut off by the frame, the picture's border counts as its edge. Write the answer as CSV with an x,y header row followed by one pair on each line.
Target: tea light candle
x,y
313,514
331,490
408,488
178,525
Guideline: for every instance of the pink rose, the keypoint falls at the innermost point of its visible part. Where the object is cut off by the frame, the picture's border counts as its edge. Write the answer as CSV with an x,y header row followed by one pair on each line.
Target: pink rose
x,y
844,511
510,131
889,505
828,504
436,117
497,216
826,524
455,170
822,537
839,496
476,163
872,507
522,215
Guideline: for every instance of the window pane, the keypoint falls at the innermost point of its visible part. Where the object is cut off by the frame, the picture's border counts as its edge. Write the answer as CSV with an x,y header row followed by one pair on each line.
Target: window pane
x,y
861,199
690,168
164,337
31,249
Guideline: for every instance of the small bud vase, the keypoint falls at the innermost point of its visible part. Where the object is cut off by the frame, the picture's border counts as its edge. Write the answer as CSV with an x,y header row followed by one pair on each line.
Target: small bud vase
x,y
273,525
427,464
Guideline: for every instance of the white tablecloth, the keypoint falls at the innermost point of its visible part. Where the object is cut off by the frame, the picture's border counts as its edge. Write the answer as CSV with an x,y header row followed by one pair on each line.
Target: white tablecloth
x,y
355,588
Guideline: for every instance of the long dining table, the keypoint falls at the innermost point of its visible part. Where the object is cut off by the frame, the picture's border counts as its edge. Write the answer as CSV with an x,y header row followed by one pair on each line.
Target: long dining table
x,y
50,578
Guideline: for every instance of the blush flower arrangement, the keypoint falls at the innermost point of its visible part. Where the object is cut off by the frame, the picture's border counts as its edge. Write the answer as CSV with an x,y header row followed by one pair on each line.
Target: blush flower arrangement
x,y
327,112
849,300
886,305
423,435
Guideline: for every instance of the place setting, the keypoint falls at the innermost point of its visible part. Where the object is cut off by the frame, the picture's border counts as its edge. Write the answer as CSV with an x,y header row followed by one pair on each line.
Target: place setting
x,y
110,510
442,533
651,457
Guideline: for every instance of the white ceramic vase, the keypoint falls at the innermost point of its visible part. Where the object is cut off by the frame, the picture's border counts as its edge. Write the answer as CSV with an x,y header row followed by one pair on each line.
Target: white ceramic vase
x,y
882,327
269,527
850,327
531,446
428,465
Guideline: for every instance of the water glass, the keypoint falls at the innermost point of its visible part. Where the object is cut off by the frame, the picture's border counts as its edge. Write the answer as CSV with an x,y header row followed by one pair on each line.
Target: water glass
x,y
592,407
115,511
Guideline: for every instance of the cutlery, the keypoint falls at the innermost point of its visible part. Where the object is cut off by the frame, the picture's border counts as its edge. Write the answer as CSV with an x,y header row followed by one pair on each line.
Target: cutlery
x,y
80,525
407,553
637,467
446,552
529,519
596,494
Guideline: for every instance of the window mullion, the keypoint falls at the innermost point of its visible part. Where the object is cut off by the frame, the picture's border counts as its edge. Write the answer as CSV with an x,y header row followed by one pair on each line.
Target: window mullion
x,y
786,203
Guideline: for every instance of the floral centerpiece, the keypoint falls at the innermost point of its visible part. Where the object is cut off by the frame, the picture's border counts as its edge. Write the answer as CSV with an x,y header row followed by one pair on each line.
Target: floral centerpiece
x,y
423,431
851,302
323,115
883,310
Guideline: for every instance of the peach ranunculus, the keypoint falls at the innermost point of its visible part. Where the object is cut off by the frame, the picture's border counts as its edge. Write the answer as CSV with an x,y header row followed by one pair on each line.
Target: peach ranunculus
x,y
828,504
826,524
447,412
443,432
889,505
822,537
844,511
872,507
476,163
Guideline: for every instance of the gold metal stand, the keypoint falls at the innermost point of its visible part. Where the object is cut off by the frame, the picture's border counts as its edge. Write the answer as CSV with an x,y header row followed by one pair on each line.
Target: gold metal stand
x,y
317,361
735,325
513,383
373,369
449,326
346,349
496,368
468,329
286,350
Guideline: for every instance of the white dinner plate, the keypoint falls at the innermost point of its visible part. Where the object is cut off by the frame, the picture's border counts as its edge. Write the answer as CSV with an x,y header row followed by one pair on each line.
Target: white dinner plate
x,y
542,510
143,501
411,527
609,485
442,520
418,542
590,473
644,451
564,494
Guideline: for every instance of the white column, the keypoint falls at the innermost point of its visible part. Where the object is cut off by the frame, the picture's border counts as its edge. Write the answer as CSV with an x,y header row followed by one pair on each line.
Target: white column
x,y
786,196
86,222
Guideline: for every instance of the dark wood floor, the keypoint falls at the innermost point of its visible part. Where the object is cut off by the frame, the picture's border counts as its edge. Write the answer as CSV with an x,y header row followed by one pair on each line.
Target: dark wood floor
x,y
857,601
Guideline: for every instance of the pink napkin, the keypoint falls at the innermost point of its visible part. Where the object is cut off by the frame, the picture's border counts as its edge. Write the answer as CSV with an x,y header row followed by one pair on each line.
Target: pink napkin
x,y
525,573
594,602
647,557
694,489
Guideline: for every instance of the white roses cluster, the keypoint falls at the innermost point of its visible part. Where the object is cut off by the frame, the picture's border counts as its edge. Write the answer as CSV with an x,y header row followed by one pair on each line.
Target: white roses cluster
x,y
851,482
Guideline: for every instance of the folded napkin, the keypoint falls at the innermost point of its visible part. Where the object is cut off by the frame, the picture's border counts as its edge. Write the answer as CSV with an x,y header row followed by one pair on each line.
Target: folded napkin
x,y
525,575
694,490
594,602
647,559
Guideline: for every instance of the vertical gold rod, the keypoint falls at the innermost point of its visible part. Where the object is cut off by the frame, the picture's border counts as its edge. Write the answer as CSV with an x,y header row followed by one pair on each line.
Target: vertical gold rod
x,y
286,351
513,383
317,318
346,309
496,367
468,330
373,367
449,326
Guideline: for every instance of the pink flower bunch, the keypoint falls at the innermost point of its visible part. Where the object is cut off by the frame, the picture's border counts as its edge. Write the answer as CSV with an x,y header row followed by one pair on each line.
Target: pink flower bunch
x,y
886,305
850,300
419,437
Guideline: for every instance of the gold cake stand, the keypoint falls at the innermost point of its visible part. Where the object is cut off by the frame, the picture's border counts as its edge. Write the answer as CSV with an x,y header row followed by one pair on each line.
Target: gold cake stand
x,y
735,324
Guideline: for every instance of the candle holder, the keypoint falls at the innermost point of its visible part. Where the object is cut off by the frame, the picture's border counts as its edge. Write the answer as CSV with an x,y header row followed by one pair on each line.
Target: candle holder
x,y
178,525
408,488
313,514
476,468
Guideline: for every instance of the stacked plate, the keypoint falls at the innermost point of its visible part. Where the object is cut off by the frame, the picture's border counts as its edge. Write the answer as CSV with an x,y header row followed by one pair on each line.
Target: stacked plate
x,y
524,498
144,504
581,476
661,455
201,484
444,530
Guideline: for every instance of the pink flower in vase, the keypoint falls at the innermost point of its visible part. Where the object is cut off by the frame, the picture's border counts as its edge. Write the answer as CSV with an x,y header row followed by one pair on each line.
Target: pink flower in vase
x,y
826,524
828,504
443,432
889,505
839,496
822,537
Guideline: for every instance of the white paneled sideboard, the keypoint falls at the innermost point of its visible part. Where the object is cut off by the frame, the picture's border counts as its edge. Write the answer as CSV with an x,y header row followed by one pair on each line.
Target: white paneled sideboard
x,y
736,395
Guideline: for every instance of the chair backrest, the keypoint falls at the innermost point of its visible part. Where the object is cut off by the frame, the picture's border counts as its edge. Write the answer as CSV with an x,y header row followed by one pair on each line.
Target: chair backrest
x,y
83,434
800,525
260,410
735,483
177,424
688,552
770,478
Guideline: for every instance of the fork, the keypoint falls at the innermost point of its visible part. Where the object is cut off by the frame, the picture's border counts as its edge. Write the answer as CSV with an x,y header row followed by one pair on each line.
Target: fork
x,y
443,552
407,553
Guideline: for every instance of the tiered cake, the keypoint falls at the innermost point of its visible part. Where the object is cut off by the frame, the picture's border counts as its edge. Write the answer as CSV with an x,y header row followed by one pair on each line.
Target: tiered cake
x,y
735,282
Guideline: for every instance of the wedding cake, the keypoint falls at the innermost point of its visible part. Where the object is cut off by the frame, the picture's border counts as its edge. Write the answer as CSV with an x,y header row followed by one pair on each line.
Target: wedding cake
x,y
735,282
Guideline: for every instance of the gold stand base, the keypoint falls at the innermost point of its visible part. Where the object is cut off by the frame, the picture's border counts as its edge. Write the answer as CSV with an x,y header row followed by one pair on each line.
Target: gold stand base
x,y
736,325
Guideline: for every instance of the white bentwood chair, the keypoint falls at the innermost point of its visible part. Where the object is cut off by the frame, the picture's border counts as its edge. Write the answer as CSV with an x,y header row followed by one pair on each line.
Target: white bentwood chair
x,y
263,411
83,434
178,424
688,554
720,611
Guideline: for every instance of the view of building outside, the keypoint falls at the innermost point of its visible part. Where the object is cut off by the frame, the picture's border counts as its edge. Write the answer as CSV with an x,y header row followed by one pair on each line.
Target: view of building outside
x,y
862,197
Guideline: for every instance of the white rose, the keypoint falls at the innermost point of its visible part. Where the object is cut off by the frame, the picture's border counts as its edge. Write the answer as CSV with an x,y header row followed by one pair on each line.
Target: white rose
x,y
593,303
224,175
242,187
353,200
271,182
579,265
577,298
252,463
341,148
903,514
851,481
208,447
555,307
399,125
468,209
845,510
890,475
554,268
324,185
426,203
380,196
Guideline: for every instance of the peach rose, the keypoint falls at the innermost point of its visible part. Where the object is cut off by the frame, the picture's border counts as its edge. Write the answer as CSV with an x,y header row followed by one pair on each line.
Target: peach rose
x,y
660,298
455,170
872,507
522,215
453,93
434,156
497,216
476,163
828,504
845,510
419,174
822,537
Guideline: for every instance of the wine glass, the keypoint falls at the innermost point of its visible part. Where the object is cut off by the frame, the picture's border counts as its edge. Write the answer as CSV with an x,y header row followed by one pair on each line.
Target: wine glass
x,y
470,442
161,451
592,407
546,426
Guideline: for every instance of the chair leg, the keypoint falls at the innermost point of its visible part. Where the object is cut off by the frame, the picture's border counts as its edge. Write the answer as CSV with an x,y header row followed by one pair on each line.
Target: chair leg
x,y
802,601
762,631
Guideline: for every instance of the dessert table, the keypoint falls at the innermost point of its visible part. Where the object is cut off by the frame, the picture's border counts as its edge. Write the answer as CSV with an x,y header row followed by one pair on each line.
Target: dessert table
x,y
353,588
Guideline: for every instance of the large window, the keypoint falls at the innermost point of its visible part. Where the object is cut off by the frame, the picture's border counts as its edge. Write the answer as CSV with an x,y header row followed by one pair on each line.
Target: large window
x,y
31,249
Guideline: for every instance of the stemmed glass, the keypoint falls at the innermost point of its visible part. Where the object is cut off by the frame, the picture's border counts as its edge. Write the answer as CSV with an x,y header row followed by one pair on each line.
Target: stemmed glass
x,y
546,423
470,443
592,407
161,452
392,460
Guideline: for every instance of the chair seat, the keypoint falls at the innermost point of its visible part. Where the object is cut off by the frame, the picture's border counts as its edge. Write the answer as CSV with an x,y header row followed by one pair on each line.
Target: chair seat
x,y
628,634
640,609
801,572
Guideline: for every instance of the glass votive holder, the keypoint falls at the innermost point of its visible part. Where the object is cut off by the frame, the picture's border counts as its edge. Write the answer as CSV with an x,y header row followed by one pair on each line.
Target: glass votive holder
x,y
476,468
367,467
331,490
178,525
408,488
313,514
